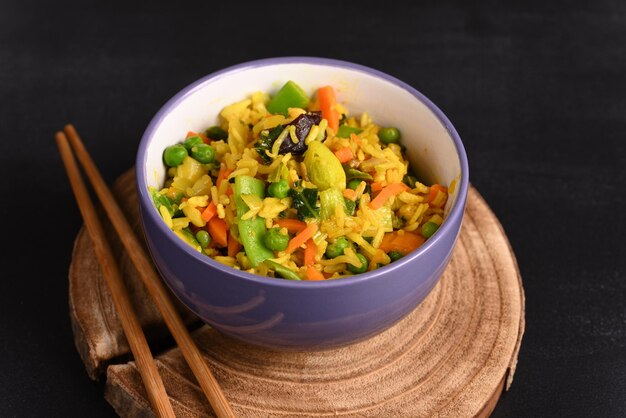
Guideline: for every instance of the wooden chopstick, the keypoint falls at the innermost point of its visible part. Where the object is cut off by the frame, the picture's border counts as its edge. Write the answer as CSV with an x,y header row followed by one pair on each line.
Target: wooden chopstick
x,y
132,329
151,280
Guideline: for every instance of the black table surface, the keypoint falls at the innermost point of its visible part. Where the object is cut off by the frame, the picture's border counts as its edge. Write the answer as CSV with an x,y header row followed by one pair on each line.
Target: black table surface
x,y
535,90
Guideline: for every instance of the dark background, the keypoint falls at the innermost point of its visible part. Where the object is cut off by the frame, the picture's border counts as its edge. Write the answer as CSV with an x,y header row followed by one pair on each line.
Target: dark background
x,y
536,92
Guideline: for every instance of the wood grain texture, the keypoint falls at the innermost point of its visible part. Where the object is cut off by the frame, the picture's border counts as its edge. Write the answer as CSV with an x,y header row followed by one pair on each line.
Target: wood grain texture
x,y
452,356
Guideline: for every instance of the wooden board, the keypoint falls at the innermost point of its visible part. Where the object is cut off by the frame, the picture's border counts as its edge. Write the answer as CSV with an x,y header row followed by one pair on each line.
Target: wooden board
x,y
452,356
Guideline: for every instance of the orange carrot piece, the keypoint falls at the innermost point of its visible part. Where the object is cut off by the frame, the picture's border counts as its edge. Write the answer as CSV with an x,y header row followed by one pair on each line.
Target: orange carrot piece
x,y
391,190
349,194
292,225
376,186
309,252
301,237
432,194
218,230
313,274
222,175
344,154
209,212
404,243
233,245
190,134
327,101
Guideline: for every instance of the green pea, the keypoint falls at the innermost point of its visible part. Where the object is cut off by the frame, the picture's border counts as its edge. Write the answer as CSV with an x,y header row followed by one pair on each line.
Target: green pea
x,y
192,141
203,153
428,229
354,183
337,248
395,255
279,189
363,267
203,238
216,133
174,155
389,135
275,240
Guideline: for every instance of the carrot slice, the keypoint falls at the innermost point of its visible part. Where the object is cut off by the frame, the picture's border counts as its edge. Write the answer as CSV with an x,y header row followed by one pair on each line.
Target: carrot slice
x,y
222,175
233,245
309,252
404,243
344,154
434,190
376,186
327,101
313,274
349,194
391,190
292,225
209,212
301,237
218,230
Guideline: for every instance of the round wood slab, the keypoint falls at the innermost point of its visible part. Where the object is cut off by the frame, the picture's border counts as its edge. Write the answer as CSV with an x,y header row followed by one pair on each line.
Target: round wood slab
x,y
452,356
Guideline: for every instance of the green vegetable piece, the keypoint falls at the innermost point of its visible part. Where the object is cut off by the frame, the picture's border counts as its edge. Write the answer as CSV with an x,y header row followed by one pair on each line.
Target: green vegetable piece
x,y
191,142
395,255
389,135
305,202
203,237
285,272
323,167
353,173
350,206
428,229
329,199
409,180
161,200
275,240
189,238
216,133
337,248
363,268
203,153
345,131
280,189
251,231
289,95
174,155
354,183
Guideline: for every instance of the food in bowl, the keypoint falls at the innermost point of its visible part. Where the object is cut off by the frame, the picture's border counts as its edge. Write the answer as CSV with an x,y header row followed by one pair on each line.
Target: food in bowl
x,y
293,186
304,315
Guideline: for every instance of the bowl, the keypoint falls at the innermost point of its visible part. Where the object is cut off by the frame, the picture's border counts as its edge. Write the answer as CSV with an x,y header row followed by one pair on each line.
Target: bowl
x,y
292,315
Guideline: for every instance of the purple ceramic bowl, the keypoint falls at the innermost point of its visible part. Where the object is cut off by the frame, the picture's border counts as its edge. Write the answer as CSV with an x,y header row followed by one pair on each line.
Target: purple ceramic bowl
x,y
291,315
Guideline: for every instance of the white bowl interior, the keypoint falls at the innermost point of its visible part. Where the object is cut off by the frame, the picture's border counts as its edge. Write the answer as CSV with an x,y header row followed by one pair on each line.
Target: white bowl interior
x,y
430,148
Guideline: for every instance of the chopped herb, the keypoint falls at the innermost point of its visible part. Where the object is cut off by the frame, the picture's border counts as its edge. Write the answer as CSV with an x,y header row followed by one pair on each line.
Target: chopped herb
x,y
265,142
304,201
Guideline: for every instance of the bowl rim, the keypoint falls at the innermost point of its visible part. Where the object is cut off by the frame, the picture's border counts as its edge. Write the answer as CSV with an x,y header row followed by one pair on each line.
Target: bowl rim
x,y
456,212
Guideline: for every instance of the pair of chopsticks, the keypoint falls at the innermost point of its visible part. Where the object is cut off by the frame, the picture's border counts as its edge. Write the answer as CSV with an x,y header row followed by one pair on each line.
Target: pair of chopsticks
x,y
132,328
